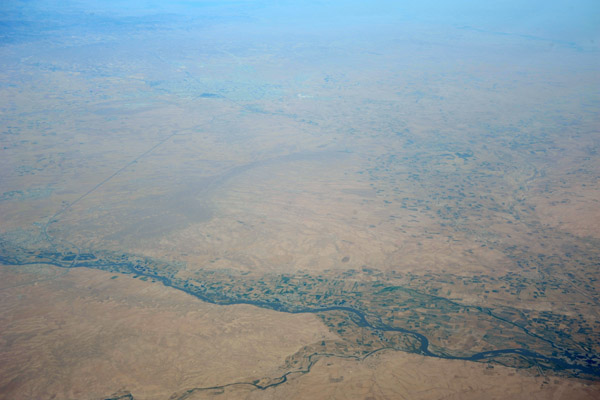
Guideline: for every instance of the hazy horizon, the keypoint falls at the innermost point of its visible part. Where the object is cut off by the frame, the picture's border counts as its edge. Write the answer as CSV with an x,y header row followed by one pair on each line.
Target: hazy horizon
x,y
316,199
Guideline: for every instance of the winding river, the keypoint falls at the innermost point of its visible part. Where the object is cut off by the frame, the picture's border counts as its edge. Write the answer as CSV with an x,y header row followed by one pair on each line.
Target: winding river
x,y
358,317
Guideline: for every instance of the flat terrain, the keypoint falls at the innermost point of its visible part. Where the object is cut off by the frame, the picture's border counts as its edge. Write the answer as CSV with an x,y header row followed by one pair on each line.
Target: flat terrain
x,y
87,334
216,202
409,376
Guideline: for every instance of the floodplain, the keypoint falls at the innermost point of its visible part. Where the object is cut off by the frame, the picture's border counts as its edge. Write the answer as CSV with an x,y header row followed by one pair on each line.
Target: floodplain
x,y
193,208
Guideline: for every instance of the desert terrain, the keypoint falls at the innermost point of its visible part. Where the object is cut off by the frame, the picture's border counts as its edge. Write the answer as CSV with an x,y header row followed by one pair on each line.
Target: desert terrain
x,y
216,203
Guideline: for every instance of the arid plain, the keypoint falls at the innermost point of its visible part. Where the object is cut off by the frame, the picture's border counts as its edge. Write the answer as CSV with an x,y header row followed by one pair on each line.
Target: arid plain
x,y
197,209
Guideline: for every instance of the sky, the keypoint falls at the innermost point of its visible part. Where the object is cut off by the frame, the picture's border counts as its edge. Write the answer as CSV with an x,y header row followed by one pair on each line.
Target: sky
x,y
574,21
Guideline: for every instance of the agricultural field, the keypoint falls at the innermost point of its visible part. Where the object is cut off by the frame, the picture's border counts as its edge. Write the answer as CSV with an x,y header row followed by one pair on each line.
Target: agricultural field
x,y
219,203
